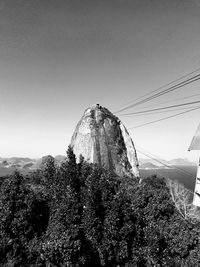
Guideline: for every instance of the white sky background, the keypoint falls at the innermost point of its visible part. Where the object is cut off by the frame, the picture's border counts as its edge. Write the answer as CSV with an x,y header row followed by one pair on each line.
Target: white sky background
x,y
59,57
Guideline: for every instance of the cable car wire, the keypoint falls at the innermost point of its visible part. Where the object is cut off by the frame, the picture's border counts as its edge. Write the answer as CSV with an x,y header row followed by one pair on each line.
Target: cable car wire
x,y
161,87
163,92
161,108
165,118
163,111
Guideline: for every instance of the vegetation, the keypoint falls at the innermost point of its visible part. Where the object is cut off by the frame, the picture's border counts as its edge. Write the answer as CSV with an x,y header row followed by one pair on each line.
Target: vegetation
x,y
81,215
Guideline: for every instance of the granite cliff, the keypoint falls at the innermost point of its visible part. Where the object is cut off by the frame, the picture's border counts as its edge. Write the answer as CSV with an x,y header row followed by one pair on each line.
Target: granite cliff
x,y
101,138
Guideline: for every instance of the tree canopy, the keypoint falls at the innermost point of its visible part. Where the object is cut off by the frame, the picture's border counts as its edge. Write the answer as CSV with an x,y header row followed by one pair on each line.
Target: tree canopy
x,y
79,214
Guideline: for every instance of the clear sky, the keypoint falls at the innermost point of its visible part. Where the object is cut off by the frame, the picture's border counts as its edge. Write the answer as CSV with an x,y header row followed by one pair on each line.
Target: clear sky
x,y
57,57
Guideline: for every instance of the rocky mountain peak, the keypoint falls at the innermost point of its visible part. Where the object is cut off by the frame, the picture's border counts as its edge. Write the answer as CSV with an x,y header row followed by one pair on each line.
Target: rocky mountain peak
x,y
101,138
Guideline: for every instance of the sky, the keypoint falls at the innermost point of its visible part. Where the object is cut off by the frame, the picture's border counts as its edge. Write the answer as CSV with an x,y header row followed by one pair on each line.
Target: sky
x,y
58,57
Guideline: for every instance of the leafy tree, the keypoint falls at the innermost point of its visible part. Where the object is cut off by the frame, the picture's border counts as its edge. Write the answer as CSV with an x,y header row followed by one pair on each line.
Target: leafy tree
x,y
48,168
23,218
65,243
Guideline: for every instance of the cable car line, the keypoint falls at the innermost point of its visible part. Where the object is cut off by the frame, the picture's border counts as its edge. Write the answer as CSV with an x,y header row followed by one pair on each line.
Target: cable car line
x,y
170,101
166,91
165,118
163,111
162,108
163,86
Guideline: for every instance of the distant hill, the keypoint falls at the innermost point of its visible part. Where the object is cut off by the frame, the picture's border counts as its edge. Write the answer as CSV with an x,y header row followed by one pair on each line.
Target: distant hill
x,y
154,162
28,165
8,165
148,165
178,161
19,159
59,159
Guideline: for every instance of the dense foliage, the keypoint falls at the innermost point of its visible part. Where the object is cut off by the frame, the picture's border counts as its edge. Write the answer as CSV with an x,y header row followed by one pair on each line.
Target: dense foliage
x,y
78,214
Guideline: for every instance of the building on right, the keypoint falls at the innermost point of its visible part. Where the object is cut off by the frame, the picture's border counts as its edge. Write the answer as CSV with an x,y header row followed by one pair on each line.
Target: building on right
x,y
195,145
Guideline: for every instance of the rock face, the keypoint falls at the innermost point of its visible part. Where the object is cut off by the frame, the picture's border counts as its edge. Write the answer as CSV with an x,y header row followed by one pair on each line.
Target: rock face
x,y
101,138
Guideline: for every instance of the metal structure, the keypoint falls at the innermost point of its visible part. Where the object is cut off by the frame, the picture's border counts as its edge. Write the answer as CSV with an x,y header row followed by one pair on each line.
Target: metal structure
x,y
195,145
